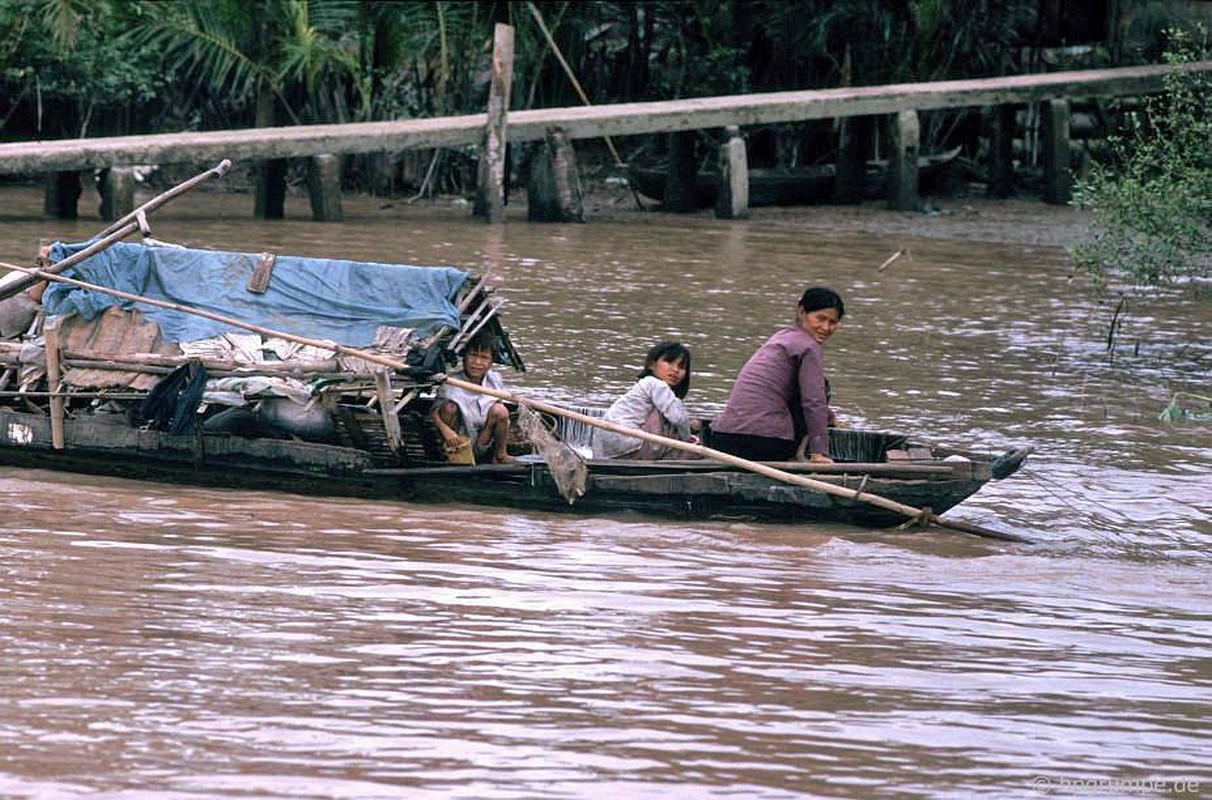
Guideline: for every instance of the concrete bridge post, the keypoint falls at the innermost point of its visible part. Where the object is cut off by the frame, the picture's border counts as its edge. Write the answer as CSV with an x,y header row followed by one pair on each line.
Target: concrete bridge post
x,y
851,164
732,202
269,201
62,193
1055,136
117,188
681,181
1001,152
324,188
902,162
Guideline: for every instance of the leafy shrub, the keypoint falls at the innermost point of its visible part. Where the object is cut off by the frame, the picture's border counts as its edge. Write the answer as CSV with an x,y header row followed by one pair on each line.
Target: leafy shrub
x,y
1151,203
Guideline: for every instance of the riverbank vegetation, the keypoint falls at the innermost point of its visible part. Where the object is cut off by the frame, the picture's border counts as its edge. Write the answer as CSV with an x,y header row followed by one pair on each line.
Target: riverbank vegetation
x,y
1151,201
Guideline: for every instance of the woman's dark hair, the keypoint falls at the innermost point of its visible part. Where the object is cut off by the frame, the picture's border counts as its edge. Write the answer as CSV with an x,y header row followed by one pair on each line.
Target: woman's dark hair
x,y
819,297
674,352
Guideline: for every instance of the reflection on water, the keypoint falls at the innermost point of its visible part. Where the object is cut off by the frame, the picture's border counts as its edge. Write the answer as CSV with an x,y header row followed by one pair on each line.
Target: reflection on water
x,y
173,642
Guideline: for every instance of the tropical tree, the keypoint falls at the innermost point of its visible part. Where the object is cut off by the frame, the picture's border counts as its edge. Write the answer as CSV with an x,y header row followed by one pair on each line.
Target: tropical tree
x,y
64,73
229,55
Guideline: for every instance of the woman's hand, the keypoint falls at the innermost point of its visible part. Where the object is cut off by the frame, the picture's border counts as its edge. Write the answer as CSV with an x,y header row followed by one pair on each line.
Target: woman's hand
x,y
820,458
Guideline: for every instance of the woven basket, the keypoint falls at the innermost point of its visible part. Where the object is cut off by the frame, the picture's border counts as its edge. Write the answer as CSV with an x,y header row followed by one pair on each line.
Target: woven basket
x,y
462,453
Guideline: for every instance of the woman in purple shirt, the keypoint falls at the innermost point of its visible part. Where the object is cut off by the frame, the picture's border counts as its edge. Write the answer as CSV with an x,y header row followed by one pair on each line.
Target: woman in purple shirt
x,y
781,392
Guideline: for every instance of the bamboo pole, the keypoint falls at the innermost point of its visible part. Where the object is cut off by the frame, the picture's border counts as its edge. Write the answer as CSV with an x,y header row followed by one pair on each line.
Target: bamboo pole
x,y
154,362
842,470
538,18
79,395
915,515
54,376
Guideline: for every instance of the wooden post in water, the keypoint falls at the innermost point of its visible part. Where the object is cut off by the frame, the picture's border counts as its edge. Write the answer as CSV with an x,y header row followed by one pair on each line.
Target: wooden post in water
x,y
553,192
1055,141
1001,152
902,162
324,188
62,193
493,172
117,187
732,202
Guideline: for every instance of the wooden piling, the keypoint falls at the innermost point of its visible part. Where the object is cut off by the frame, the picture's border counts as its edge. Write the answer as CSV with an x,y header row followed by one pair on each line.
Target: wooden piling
x,y
117,188
493,173
1054,136
902,164
324,188
732,202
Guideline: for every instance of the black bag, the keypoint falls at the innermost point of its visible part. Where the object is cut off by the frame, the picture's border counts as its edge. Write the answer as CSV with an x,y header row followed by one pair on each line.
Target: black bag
x,y
172,404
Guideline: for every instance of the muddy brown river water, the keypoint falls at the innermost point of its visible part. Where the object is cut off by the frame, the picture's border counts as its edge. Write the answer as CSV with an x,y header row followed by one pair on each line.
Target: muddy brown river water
x,y
173,642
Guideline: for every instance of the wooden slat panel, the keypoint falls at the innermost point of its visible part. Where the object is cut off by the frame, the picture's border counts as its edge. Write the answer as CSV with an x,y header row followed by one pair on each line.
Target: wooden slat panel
x,y
118,332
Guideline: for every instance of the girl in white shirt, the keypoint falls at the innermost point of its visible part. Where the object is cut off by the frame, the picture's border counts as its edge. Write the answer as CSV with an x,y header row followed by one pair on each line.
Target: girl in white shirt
x,y
653,404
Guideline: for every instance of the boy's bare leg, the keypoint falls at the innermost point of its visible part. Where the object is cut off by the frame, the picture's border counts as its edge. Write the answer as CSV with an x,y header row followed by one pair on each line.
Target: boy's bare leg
x,y
448,412
448,421
496,433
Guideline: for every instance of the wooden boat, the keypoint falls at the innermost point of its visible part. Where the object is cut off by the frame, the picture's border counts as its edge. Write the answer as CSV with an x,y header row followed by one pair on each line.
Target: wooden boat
x,y
142,386
89,420
799,186
358,461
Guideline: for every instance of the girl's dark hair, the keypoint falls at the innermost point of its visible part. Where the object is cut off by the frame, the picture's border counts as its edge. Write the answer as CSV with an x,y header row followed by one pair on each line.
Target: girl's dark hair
x,y
670,351
819,297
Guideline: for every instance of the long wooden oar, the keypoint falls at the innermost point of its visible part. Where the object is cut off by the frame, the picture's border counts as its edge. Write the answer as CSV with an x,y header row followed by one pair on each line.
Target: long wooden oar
x,y
917,515
119,230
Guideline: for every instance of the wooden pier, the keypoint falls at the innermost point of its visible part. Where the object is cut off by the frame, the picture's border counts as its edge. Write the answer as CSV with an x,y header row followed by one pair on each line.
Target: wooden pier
x,y
490,131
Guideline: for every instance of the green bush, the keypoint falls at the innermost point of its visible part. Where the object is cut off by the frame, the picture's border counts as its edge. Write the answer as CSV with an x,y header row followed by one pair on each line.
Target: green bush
x,y
1151,203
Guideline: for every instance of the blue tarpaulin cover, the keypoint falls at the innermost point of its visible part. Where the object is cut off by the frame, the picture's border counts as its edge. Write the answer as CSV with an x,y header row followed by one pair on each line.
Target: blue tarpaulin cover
x,y
341,301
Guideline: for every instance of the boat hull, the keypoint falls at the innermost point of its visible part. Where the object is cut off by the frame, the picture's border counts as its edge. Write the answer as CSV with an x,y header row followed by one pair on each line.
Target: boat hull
x,y
101,445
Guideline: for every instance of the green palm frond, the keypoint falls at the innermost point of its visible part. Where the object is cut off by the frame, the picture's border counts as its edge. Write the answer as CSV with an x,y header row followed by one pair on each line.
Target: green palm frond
x,y
61,20
209,42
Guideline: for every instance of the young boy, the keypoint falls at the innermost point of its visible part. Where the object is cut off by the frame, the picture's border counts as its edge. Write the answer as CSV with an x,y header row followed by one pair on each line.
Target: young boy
x,y
481,418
